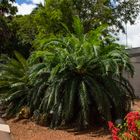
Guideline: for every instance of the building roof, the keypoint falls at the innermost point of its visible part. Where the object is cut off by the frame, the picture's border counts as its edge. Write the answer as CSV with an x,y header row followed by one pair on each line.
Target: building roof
x,y
134,52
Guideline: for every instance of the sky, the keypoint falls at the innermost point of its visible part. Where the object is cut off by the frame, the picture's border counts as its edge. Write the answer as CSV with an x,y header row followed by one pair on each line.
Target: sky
x,y
29,1
24,1
133,38
26,6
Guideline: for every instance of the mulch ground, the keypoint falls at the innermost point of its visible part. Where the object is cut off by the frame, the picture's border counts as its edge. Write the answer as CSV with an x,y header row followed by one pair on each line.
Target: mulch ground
x,y
27,130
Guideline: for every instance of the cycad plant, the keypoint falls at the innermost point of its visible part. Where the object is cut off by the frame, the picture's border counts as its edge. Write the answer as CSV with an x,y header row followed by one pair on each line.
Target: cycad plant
x,y
86,82
14,83
21,85
38,76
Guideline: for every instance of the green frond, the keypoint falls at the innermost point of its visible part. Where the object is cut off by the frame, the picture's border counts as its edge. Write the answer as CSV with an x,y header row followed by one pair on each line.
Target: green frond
x,y
21,59
84,103
78,27
75,79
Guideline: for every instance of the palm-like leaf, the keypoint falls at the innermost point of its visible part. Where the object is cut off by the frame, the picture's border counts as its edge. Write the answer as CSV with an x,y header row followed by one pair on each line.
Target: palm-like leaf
x,y
14,82
76,79
22,84
85,78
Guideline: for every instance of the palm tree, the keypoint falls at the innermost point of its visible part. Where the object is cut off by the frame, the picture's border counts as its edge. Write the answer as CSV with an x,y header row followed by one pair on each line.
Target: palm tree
x,y
86,83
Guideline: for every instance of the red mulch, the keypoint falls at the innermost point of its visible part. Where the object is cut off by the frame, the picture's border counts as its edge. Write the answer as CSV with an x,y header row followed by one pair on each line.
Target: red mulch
x,y
27,130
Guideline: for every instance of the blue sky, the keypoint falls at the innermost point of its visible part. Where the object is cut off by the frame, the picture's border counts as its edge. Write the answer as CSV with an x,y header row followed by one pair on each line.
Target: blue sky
x,y
23,1
25,7
29,1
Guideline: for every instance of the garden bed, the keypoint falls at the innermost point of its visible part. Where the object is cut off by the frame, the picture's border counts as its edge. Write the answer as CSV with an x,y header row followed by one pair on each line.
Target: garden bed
x,y
27,130
24,130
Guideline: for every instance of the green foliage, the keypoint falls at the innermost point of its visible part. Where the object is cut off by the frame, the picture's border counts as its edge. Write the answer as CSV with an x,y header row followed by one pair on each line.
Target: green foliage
x,y
25,31
7,10
16,32
6,7
21,85
39,81
47,20
14,83
75,75
50,17
85,79
26,28
91,12
4,35
112,12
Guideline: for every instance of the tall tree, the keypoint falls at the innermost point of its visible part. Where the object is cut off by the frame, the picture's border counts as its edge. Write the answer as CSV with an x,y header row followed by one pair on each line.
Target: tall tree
x,y
113,12
92,12
7,10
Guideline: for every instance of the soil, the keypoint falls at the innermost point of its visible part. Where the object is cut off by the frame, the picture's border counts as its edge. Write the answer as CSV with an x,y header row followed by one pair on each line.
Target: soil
x,y
27,130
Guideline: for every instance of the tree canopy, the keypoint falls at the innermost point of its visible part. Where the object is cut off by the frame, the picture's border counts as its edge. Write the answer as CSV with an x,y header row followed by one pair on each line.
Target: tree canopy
x,y
50,18
91,12
7,10
6,7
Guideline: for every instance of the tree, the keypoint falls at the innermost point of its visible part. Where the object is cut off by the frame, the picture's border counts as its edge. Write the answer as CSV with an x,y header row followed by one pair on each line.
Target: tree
x,y
25,31
6,32
112,12
6,7
17,32
91,12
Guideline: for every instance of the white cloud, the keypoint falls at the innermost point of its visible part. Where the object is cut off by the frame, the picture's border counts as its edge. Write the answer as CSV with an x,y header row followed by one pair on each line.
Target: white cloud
x,y
133,35
24,9
37,1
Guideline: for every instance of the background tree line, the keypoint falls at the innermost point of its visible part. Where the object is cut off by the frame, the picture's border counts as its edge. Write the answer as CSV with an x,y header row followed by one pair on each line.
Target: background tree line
x,y
21,32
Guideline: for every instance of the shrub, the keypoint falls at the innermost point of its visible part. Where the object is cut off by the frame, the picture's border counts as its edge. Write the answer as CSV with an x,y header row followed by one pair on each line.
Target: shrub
x,y
21,85
14,83
72,80
86,84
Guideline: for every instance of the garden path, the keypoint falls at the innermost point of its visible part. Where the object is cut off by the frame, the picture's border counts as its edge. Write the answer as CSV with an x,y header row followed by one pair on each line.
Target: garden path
x,y
4,131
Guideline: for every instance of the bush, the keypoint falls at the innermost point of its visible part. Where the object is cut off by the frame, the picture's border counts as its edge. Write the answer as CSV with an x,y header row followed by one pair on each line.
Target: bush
x,y
14,83
21,85
86,84
74,80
